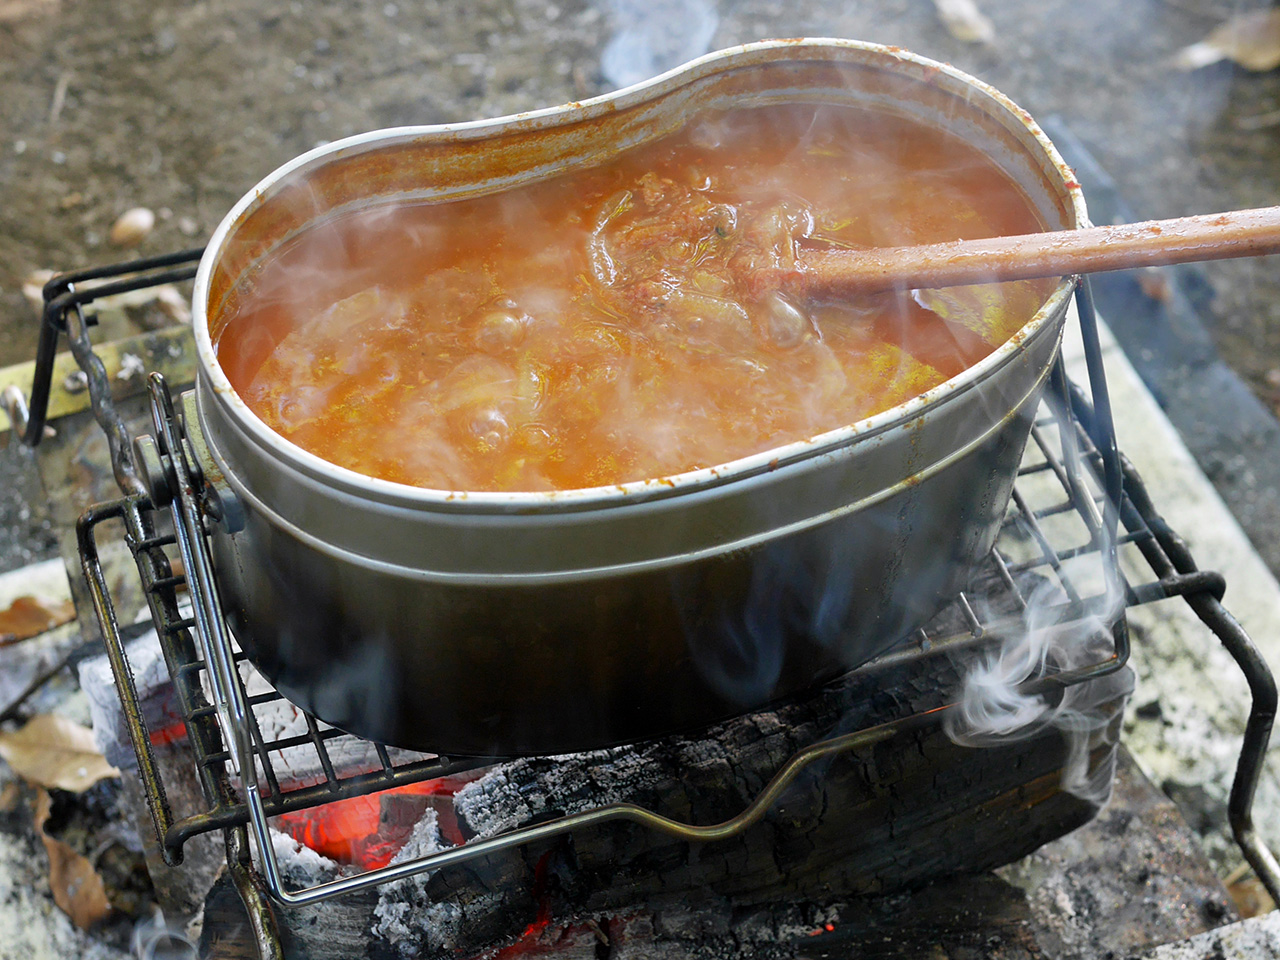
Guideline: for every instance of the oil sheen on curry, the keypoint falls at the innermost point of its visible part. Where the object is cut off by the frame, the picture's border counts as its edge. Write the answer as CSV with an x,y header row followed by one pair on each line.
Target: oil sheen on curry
x,y
605,326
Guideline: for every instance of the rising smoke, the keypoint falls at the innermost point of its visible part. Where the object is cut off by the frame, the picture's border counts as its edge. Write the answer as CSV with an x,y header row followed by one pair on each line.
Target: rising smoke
x,y
993,707
653,36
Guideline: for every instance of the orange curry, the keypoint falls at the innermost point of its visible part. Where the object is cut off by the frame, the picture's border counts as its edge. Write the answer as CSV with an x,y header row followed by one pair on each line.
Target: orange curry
x,y
603,326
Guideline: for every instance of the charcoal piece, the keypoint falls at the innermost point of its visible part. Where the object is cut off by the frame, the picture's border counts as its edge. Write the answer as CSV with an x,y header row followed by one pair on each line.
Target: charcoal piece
x,y
179,889
157,699
336,929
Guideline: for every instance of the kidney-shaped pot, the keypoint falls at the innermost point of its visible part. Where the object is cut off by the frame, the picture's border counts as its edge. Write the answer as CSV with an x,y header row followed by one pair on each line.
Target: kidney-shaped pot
x,y
513,623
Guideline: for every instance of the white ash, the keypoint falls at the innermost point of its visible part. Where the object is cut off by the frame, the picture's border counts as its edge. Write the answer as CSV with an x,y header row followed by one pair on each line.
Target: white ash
x,y
31,925
708,930
300,766
156,697
739,933
300,865
1250,939
405,911
781,923
574,782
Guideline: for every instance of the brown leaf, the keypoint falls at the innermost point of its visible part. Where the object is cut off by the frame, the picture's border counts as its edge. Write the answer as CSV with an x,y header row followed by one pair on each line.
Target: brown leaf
x,y
1250,897
1251,40
77,888
28,617
52,751
965,21
1154,282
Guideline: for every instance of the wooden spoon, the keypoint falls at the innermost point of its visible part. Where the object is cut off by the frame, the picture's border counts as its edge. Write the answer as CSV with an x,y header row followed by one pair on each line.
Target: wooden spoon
x,y
1214,236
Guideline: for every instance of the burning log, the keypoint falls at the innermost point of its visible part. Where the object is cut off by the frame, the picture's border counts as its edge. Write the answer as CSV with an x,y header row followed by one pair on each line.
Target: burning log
x,y
909,809
1133,877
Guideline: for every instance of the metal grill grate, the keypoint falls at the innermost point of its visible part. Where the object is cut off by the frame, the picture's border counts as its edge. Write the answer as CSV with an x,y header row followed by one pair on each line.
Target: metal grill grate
x,y
1072,487
1035,549
154,554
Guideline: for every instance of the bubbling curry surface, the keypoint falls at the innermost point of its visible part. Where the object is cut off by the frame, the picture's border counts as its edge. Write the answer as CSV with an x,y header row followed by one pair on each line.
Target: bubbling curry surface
x,y
605,326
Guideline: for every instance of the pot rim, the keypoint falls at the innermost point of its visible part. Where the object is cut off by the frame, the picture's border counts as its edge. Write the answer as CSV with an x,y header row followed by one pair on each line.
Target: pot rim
x,y
636,490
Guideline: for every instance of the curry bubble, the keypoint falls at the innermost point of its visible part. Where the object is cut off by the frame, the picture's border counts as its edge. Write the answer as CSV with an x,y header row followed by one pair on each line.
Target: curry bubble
x,y
500,331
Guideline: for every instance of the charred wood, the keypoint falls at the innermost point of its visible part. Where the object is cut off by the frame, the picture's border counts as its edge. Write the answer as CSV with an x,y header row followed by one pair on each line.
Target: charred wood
x,y
905,811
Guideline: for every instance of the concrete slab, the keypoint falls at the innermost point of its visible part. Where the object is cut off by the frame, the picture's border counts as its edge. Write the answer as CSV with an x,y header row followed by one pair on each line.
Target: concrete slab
x,y
1185,721
1254,939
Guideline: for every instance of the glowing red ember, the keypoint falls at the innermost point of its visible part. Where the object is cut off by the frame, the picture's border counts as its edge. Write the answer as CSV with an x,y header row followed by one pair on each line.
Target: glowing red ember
x,y
367,831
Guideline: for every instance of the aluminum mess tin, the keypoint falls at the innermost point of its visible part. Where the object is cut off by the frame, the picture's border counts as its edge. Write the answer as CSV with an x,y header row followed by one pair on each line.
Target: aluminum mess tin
x,y
533,623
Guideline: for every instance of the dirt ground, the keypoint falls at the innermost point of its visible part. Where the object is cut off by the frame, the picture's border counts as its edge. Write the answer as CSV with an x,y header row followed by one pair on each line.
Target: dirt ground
x,y
182,107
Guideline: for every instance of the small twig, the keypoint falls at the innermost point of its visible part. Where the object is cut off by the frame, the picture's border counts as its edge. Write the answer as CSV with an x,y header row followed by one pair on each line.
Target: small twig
x,y
40,679
1236,875
59,96
72,657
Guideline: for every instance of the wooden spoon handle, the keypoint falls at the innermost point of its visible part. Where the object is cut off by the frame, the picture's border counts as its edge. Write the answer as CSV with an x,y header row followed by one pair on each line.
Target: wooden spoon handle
x,y
1214,236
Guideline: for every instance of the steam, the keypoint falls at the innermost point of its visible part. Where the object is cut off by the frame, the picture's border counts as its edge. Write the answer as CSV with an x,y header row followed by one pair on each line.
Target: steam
x,y
155,938
606,327
654,36
992,707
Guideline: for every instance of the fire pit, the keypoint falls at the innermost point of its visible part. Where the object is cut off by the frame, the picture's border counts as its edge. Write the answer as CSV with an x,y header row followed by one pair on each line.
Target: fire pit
x,y
889,794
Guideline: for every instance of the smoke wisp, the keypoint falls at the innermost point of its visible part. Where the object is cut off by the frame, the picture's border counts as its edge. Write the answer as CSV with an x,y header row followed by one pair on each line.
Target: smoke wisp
x,y
654,36
612,325
993,706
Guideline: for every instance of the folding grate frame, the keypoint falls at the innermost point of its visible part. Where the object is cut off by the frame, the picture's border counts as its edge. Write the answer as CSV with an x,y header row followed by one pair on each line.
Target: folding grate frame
x,y
995,606
1072,486
1054,522
153,555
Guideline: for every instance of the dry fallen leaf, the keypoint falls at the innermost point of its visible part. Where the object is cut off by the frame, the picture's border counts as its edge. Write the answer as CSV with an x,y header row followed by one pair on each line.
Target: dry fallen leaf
x,y
965,21
28,617
1251,897
1251,40
77,888
52,751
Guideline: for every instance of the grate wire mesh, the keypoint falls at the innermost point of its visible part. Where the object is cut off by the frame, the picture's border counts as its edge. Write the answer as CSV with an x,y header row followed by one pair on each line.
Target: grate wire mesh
x,y
1029,553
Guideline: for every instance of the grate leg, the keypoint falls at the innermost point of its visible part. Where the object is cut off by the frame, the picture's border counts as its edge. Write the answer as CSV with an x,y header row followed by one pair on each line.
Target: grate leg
x,y
248,883
1257,734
